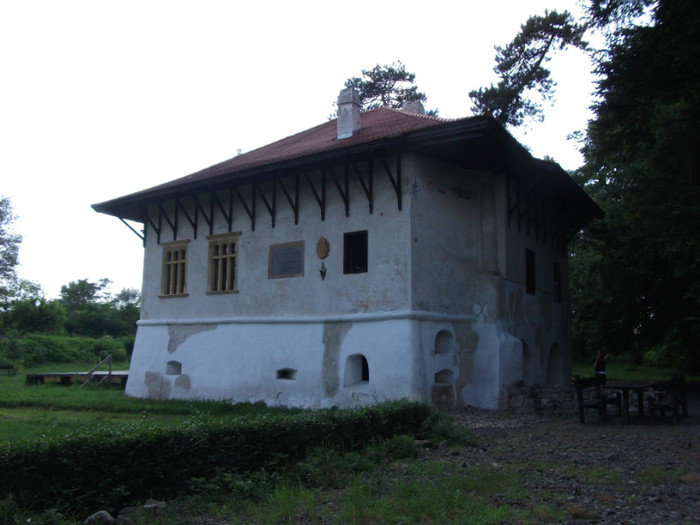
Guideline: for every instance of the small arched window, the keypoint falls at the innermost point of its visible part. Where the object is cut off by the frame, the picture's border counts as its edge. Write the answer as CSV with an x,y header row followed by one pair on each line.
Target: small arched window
x,y
173,368
356,370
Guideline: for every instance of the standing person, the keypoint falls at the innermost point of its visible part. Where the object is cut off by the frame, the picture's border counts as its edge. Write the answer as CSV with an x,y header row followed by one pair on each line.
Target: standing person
x,y
599,364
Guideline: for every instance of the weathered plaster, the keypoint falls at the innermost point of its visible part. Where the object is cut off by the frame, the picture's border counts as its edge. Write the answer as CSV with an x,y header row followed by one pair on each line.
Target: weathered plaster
x,y
179,334
333,335
157,385
183,382
446,263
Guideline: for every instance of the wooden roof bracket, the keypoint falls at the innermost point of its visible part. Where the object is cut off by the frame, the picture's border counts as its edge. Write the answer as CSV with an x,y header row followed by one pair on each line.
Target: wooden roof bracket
x,y
156,227
193,222
345,190
249,210
271,206
200,209
293,202
172,224
141,235
321,200
368,188
395,181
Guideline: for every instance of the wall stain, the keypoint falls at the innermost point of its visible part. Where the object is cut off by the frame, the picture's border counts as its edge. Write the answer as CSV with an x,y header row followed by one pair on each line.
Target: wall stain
x,y
468,342
333,335
158,386
179,334
183,382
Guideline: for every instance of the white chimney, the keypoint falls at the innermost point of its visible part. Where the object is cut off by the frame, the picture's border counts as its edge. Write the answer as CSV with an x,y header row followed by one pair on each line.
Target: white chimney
x,y
414,106
348,113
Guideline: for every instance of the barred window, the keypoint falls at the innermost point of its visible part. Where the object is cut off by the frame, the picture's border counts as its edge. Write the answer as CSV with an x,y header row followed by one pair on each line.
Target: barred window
x,y
174,278
223,254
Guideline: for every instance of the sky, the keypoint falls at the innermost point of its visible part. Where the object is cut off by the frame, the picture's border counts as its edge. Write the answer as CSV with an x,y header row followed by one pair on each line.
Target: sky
x,y
99,99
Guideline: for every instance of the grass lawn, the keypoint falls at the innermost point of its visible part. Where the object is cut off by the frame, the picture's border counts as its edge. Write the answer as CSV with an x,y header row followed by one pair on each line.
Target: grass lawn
x,y
625,371
37,411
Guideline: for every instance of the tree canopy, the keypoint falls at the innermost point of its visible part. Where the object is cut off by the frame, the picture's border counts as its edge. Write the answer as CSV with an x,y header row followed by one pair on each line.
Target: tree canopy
x,y
91,310
636,272
521,68
9,251
387,86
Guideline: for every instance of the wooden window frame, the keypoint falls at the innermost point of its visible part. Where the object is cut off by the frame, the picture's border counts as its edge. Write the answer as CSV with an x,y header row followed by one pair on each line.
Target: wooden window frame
x,y
222,273
174,269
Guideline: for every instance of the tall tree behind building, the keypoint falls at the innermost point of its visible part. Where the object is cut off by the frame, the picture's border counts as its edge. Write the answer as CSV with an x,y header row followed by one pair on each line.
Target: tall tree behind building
x,y
388,86
636,273
521,68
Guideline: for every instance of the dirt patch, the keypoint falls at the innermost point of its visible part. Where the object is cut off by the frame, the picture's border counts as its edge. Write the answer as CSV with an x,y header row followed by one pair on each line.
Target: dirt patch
x,y
597,473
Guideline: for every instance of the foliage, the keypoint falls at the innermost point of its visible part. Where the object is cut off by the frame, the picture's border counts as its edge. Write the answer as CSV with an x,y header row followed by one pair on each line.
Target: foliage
x,y
636,272
520,65
388,86
622,368
105,467
35,349
36,315
611,15
92,311
9,252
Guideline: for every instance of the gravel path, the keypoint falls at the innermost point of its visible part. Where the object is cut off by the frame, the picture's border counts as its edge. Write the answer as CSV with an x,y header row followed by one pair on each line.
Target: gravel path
x,y
612,473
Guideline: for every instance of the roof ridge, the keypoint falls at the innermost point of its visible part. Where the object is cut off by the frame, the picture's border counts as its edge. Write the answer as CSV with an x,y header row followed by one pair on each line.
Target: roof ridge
x,y
422,115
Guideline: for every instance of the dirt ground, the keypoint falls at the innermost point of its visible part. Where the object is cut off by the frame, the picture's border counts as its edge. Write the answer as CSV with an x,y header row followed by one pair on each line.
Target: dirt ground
x,y
597,473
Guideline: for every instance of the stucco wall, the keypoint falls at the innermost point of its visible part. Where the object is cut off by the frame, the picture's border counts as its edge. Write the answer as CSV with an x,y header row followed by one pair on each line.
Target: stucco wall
x,y
383,288
296,362
441,314
540,321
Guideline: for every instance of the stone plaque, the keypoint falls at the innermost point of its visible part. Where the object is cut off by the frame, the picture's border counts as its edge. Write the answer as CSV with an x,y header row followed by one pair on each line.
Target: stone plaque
x,y
286,260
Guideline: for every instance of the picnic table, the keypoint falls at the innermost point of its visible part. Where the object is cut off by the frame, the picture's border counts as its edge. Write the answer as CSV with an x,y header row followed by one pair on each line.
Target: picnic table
x,y
627,387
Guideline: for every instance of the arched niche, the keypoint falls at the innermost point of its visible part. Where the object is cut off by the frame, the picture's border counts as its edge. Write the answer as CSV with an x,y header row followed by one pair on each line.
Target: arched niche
x,y
356,370
444,342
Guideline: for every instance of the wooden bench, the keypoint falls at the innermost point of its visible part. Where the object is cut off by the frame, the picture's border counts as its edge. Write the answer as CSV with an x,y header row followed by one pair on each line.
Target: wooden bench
x,y
671,397
10,369
590,395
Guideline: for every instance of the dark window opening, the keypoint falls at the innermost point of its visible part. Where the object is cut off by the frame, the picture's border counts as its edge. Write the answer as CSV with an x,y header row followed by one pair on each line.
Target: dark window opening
x,y
286,373
355,252
173,368
530,271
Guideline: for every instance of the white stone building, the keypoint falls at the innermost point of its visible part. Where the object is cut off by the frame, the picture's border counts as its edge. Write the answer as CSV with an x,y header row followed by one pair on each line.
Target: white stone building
x,y
384,255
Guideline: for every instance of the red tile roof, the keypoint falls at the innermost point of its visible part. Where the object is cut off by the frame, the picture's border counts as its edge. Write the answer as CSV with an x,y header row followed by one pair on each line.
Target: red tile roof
x,y
475,142
376,124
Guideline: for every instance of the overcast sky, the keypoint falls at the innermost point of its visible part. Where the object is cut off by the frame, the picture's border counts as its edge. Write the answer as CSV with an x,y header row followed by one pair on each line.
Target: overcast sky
x,y
99,99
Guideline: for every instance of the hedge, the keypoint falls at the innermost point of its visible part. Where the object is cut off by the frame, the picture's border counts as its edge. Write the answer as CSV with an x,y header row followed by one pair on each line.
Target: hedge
x,y
107,468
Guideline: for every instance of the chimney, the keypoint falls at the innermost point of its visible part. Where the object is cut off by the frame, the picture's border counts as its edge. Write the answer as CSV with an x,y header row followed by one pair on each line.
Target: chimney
x,y
414,106
348,113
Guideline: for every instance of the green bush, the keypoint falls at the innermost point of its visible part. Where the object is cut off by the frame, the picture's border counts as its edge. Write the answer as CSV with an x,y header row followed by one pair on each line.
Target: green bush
x,y
104,468
38,349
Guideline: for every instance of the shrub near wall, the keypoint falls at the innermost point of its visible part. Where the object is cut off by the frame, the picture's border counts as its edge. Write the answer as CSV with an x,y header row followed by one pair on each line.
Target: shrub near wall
x,y
108,469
